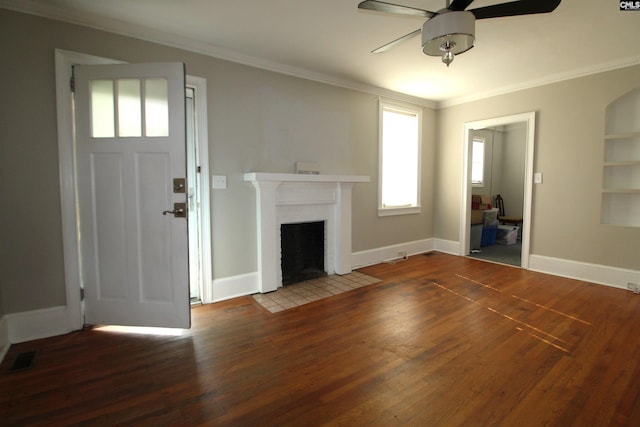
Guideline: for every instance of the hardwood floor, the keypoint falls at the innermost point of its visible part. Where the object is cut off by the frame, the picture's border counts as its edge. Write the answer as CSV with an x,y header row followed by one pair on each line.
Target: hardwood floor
x,y
440,341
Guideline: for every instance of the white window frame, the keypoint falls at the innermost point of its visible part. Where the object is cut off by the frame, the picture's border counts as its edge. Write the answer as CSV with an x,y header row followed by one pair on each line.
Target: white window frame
x,y
404,109
478,184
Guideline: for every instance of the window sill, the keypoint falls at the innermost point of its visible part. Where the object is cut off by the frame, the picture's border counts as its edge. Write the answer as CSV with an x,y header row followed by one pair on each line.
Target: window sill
x,y
399,211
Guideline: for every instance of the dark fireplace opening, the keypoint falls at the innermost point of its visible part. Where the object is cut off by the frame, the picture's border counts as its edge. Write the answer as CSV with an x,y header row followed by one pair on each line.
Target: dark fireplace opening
x,y
302,251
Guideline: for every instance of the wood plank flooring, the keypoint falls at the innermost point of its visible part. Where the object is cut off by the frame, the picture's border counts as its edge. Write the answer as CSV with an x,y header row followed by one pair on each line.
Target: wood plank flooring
x,y
440,341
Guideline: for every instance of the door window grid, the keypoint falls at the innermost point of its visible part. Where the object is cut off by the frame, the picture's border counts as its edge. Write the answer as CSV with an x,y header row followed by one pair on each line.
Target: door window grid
x,y
127,107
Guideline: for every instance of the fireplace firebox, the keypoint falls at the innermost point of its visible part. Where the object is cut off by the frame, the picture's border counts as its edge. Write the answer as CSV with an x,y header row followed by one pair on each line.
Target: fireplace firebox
x,y
302,245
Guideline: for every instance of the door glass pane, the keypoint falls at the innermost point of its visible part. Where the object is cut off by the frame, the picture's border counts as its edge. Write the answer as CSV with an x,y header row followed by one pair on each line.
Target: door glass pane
x,y
102,116
156,108
129,105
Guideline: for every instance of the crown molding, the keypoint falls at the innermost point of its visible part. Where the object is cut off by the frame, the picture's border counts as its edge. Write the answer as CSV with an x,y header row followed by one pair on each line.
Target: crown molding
x,y
47,10
553,78
50,11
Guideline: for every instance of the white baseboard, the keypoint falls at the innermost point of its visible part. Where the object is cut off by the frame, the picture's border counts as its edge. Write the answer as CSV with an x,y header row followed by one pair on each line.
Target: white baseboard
x,y
36,324
594,273
447,246
386,253
235,286
4,338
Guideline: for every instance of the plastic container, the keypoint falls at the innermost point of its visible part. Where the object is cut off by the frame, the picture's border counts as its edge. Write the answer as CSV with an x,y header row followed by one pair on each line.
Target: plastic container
x,y
507,235
489,236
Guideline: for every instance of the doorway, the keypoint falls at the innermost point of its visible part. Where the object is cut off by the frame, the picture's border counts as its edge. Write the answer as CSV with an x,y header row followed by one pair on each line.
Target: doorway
x,y
504,173
64,61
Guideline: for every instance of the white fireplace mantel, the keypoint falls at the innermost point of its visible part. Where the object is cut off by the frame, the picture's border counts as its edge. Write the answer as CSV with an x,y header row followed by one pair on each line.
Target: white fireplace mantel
x,y
283,198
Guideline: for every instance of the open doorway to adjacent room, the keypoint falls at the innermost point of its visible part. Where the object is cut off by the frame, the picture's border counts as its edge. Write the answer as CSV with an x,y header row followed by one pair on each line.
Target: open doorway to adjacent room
x,y
498,167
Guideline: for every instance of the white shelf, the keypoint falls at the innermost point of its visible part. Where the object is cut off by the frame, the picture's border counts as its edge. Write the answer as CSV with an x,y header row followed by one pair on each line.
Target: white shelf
x,y
621,163
292,177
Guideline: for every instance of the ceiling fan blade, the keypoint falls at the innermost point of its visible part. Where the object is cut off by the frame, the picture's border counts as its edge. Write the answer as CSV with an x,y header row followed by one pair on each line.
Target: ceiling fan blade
x,y
458,5
522,7
399,40
381,6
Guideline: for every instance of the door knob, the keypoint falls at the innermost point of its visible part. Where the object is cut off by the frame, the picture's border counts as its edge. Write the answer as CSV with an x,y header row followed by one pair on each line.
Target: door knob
x,y
179,210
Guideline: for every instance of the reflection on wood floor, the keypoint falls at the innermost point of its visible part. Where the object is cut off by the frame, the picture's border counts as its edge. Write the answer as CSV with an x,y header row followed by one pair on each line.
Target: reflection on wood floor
x,y
440,340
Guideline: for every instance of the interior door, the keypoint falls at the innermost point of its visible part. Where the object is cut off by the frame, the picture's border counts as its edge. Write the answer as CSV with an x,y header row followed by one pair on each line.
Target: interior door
x,y
130,146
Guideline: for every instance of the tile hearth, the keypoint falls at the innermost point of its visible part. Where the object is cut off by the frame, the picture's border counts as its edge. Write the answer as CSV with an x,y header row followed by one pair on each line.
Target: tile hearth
x,y
312,290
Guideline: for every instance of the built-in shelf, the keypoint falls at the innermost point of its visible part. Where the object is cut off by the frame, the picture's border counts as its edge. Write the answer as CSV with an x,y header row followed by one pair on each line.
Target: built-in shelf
x,y
621,163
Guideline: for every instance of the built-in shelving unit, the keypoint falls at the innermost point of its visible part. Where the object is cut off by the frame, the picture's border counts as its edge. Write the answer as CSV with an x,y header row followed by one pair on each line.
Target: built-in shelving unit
x,y
621,164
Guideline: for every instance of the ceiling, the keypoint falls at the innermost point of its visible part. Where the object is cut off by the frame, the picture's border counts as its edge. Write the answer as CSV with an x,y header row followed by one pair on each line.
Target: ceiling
x,y
331,40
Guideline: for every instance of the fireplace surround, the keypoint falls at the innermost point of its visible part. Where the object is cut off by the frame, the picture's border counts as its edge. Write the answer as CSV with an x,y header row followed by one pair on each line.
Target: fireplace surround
x,y
294,198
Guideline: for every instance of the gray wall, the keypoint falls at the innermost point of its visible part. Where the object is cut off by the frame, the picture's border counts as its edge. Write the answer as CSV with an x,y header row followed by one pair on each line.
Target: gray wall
x,y
570,117
257,121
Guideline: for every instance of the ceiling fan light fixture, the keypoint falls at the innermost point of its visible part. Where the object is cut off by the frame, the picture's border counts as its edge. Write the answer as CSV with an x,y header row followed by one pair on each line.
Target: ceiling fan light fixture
x,y
448,34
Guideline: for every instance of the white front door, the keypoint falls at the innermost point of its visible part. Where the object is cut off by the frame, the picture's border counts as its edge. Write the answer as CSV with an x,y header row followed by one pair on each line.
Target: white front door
x,y
130,146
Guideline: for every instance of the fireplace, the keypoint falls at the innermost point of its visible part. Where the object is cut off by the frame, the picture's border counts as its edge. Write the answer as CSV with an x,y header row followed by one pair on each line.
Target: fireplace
x,y
292,198
302,251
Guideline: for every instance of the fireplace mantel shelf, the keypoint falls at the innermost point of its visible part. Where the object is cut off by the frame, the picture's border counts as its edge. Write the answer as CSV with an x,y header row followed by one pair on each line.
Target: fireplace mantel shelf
x,y
294,177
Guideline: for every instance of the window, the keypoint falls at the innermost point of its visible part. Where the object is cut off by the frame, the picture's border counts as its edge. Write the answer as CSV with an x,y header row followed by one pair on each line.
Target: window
x,y
477,163
400,140
119,106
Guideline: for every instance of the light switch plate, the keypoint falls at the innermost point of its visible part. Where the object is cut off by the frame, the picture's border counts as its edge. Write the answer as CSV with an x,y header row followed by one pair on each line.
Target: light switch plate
x,y
537,178
218,181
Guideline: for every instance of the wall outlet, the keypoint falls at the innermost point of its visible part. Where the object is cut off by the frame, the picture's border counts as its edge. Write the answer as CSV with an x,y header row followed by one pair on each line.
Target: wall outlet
x,y
402,254
219,181
633,287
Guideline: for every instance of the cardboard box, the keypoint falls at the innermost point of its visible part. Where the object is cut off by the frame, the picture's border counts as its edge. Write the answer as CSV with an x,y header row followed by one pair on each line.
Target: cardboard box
x,y
476,216
480,202
482,199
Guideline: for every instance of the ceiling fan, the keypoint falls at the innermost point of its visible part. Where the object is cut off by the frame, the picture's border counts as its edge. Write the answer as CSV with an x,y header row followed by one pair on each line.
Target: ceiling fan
x,y
451,31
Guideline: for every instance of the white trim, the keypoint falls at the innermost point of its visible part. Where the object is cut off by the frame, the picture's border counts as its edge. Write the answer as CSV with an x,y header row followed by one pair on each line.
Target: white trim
x,y
247,284
543,81
594,273
386,253
51,11
447,246
152,35
465,202
37,324
235,286
200,85
4,338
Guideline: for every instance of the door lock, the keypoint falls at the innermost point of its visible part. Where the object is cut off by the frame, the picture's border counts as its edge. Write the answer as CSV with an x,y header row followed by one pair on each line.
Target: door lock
x,y
179,185
179,210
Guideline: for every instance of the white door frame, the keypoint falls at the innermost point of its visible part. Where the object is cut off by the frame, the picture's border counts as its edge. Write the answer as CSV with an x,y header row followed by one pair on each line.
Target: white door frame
x,y
465,204
64,60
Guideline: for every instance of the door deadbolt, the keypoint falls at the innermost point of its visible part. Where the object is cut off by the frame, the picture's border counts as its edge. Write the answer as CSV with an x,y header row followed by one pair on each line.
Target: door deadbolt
x,y
179,185
179,210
